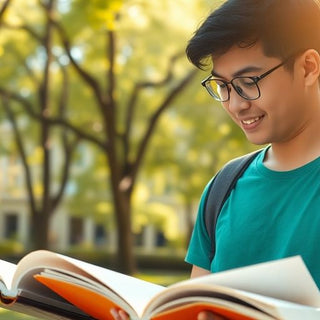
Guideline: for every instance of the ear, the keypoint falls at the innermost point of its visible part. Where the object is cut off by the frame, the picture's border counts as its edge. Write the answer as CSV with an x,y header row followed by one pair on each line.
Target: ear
x,y
310,62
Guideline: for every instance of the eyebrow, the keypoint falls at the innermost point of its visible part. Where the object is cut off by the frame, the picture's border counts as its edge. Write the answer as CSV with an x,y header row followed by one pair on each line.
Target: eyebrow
x,y
240,72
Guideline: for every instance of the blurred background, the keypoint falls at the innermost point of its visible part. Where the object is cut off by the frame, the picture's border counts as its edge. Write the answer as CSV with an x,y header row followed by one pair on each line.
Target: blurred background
x,y
107,136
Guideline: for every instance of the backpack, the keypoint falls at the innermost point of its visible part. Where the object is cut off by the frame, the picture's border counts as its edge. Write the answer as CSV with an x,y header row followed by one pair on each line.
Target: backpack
x,y
219,190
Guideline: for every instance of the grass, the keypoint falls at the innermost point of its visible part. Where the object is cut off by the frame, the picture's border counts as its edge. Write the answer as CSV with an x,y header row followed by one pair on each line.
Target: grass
x,y
10,315
164,279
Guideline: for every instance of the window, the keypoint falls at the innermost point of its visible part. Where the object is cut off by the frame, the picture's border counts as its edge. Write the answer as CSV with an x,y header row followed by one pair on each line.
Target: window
x,y
10,225
76,230
99,234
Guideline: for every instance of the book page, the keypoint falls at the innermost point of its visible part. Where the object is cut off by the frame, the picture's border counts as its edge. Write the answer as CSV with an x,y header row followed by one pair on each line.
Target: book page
x,y
234,300
189,308
284,309
7,271
285,279
134,291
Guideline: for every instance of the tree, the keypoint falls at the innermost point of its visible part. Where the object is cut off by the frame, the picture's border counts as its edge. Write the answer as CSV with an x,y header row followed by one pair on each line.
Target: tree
x,y
95,56
42,206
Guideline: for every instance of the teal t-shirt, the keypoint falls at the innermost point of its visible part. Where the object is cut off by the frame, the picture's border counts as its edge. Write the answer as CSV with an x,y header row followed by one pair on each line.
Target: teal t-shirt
x,y
269,215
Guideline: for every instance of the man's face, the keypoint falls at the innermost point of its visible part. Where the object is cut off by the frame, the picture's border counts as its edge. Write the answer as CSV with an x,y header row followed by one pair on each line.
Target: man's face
x,y
279,114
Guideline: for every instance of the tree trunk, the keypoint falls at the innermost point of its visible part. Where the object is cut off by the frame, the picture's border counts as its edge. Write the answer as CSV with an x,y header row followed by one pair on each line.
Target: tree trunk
x,y
40,231
125,257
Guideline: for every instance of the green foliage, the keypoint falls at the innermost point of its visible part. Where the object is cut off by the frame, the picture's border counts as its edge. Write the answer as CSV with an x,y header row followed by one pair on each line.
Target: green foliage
x,y
96,14
190,142
10,248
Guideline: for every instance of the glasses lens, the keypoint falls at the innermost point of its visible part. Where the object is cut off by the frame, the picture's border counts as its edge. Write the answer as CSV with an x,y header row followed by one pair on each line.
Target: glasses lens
x,y
218,89
246,88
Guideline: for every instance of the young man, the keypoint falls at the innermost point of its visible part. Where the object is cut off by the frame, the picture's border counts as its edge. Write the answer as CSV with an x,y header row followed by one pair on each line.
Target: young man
x,y
266,68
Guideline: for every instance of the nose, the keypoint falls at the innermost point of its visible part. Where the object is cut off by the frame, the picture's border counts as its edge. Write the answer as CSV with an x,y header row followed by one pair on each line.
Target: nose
x,y
237,103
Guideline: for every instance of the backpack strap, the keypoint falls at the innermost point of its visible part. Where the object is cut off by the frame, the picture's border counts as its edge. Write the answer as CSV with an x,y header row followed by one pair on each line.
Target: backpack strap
x,y
219,190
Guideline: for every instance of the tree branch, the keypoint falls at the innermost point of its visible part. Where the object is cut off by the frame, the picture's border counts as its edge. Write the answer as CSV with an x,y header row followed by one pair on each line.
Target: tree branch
x,y
55,121
153,121
44,104
69,149
22,152
111,48
26,28
3,9
134,97
85,75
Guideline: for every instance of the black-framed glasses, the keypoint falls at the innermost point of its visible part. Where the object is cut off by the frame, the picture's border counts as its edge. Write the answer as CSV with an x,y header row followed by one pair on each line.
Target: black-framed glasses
x,y
246,87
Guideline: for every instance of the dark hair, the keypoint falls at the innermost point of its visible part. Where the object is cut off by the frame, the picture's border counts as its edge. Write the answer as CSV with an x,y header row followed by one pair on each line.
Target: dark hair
x,y
283,27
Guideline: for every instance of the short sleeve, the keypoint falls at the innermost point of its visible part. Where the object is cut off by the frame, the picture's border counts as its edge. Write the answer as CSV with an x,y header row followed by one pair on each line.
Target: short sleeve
x,y
199,247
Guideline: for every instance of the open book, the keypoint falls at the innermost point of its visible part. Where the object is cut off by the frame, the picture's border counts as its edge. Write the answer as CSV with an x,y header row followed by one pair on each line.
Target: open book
x,y
53,286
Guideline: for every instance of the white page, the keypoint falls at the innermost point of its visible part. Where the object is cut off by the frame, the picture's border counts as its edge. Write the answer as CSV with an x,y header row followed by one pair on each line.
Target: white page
x,y
7,270
285,310
286,279
135,291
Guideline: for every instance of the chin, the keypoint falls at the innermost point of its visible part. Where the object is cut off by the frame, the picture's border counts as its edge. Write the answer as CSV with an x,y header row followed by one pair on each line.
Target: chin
x,y
259,141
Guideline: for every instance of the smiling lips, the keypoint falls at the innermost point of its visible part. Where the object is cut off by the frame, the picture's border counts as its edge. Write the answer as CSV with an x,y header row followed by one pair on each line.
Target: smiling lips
x,y
250,121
